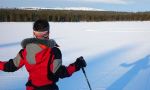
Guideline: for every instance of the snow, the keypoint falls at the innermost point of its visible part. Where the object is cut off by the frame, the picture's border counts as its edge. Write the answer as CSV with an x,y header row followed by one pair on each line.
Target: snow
x,y
65,8
116,53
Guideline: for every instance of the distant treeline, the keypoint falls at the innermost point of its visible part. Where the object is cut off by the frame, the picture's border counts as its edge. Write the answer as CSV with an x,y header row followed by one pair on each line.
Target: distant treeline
x,y
20,15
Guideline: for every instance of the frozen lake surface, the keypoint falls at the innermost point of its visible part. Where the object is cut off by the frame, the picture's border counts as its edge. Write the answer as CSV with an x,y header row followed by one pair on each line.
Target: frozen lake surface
x,y
117,54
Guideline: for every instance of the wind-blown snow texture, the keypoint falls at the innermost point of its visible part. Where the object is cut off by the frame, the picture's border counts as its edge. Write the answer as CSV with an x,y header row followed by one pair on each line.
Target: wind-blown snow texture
x,y
117,54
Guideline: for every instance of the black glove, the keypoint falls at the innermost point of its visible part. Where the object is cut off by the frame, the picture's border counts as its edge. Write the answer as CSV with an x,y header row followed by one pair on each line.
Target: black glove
x,y
79,63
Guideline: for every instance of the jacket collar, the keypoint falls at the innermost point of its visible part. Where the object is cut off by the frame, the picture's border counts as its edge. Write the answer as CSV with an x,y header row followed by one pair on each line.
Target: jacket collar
x,y
48,43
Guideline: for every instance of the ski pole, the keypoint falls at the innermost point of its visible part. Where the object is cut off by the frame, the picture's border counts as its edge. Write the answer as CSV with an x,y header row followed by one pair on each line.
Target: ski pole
x,y
86,78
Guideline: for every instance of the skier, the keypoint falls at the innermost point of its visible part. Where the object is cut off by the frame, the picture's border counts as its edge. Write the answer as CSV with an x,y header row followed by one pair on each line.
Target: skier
x,y
42,59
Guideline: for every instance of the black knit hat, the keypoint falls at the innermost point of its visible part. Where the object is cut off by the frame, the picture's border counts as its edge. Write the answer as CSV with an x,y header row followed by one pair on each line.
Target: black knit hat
x,y
41,25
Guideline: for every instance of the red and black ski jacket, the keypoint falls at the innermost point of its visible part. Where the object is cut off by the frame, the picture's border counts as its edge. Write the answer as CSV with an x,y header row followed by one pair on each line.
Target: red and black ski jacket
x,y
43,61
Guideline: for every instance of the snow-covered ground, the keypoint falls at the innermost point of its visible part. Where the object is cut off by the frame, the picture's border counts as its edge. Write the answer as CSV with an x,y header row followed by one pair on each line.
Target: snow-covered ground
x,y
117,54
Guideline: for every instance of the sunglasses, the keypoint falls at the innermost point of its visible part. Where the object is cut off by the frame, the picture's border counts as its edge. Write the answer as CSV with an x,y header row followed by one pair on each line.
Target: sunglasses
x,y
44,34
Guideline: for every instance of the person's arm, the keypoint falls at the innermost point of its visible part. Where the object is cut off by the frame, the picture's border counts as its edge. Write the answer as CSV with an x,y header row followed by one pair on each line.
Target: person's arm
x,y
13,64
62,71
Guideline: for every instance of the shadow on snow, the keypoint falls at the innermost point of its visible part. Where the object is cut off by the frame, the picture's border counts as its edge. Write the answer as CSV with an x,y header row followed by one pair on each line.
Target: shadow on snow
x,y
137,66
9,44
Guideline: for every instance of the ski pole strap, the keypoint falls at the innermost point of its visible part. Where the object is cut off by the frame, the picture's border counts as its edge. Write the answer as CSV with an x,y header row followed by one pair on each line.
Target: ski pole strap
x,y
86,78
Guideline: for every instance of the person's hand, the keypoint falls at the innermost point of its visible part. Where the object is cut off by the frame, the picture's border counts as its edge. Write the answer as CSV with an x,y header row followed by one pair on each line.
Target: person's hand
x,y
80,63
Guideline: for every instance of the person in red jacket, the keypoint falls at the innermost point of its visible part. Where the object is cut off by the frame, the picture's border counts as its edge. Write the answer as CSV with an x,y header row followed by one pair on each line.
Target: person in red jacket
x,y
42,59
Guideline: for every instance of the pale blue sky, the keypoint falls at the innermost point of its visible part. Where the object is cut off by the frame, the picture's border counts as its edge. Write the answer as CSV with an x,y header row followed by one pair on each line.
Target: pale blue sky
x,y
113,5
